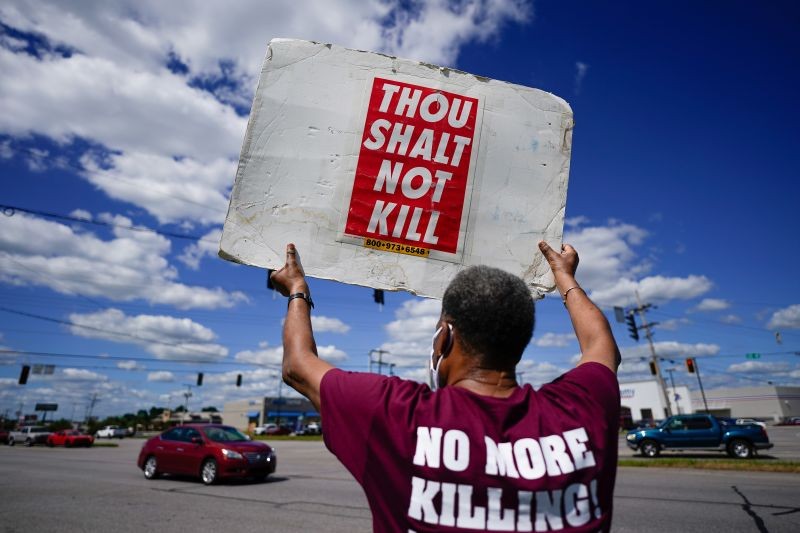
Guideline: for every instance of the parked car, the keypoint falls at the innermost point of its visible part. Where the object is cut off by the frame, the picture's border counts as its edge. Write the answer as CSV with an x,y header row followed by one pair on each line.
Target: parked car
x,y
69,438
110,432
208,451
689,432
29,435
272,429
3,436
262,430
310,429
742,421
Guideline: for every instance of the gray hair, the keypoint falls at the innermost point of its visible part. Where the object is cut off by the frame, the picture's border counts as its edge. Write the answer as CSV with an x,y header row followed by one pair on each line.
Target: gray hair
x,y
493,312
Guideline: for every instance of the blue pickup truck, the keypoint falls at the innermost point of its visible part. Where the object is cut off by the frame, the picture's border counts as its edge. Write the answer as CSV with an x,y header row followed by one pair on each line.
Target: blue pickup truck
x,y
691,432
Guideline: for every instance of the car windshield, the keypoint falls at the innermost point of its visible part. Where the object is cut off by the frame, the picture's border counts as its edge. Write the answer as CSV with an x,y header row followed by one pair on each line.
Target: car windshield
x,y
224,434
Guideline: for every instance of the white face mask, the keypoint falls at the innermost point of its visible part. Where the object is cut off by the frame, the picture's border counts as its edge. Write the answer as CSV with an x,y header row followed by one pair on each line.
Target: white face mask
x,y
434,370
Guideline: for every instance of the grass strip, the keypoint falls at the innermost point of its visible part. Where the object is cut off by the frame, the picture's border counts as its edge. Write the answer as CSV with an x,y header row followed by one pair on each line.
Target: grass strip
x,y
744,465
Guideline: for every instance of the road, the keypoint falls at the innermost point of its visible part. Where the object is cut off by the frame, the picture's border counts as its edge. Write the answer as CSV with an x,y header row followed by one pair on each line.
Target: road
x,y
100,489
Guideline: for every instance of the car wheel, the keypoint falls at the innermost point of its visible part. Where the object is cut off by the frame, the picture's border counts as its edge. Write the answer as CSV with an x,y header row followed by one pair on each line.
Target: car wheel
x,y
649,448
740,449
208,472
151,467
28,443
67,444
10,441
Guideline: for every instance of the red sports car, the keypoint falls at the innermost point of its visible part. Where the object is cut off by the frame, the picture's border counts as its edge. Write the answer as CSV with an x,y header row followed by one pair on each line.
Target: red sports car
x,y
209,451
69,438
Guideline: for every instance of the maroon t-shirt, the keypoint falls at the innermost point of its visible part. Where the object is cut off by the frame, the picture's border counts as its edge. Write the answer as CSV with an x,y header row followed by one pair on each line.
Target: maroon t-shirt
x,y
453,460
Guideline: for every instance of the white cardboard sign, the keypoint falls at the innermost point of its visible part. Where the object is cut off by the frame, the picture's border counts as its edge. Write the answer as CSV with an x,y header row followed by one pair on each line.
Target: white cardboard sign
x,y
395,174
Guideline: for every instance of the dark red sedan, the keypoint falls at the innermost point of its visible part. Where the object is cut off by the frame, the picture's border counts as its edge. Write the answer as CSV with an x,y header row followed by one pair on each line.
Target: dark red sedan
x,y
209,451
69,438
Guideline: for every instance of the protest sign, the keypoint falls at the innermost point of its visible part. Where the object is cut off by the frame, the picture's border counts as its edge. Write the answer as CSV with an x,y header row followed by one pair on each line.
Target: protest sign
x,y
395,174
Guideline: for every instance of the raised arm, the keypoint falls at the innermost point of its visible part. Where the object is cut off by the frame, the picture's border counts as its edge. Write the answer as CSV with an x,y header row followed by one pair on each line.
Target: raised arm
x,y
302,368
591,327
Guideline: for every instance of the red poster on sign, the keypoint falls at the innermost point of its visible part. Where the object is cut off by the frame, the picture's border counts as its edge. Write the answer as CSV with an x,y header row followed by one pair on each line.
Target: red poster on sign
x,y
413,167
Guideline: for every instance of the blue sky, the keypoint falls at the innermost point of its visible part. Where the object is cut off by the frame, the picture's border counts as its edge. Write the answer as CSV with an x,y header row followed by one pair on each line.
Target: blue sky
x,y
683,186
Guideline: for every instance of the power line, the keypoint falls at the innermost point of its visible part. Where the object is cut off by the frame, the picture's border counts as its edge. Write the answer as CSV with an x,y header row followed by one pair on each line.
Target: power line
x,y
101,330
10,210
204,364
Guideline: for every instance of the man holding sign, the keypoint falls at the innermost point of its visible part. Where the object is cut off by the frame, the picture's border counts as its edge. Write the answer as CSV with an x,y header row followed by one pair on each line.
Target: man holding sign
x,y
481,452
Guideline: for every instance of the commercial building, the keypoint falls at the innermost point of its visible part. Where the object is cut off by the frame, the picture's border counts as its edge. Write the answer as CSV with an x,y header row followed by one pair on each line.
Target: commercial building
x,y
291,411
769,402
643,400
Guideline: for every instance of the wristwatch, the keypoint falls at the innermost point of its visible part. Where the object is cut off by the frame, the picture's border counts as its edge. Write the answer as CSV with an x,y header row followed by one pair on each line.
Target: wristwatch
x,y
304,296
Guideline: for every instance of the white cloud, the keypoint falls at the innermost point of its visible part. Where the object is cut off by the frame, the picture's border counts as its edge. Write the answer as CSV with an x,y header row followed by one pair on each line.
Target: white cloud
x,y
759,367
652,288
80,374
81,214
730,319
410,334
267,355
323,324
165,337
207,246
416,321
161,376
273,355
609,267
6,152
331,353
554,340
580,73
132,265
170,189
788,318
129,365
538,373
670,349
673,324
712,304
123,108
115,88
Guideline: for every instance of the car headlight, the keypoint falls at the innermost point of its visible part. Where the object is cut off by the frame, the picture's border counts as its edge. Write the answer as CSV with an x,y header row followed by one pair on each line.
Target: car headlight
x,y
631,436
230,454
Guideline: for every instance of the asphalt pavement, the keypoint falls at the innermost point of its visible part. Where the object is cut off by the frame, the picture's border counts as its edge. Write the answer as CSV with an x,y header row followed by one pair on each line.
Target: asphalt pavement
x,y
101,489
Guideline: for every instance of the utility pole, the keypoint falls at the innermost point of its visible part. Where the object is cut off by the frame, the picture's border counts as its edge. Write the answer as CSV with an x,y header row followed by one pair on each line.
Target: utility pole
x,y
92,403
380,359
641,310
186,395
674,394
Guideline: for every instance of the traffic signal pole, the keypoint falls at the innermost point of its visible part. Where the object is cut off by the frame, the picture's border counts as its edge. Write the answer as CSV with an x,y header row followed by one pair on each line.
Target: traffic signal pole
x,y
653,357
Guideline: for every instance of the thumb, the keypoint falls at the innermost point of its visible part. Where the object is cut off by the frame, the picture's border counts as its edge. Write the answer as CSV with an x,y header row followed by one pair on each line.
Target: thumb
x,y
291,253
545,249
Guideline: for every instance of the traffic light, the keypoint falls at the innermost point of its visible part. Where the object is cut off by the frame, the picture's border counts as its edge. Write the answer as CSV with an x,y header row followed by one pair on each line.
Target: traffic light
x,y
238,380
377,295
634,331
653,368
199,379
23,375
690,365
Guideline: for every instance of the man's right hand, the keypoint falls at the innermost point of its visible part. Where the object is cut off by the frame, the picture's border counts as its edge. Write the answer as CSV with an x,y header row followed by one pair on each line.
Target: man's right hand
x,y
290,278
